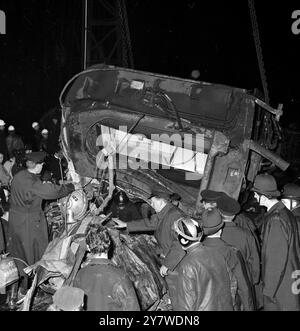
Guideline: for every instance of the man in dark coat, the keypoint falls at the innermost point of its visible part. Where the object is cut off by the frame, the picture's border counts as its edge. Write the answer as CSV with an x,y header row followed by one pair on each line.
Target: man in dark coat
x,y
106,286
239,237
28,234
202,282
280,248
162,224
291,199
242,291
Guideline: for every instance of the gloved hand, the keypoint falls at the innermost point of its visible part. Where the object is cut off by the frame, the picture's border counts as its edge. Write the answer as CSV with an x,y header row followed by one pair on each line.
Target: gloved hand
x,y
163,271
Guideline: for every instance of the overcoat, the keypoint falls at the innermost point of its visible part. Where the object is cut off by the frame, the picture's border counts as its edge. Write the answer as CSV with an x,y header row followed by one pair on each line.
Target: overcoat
x,y
27,226
280,259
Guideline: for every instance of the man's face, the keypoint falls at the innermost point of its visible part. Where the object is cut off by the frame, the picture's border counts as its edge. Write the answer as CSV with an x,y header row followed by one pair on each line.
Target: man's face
x,y
2,127
209,205
36,128
1,158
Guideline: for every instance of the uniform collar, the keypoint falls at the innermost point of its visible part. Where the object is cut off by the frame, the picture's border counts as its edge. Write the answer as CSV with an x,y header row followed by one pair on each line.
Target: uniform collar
x,y
213,242
165,210
278,206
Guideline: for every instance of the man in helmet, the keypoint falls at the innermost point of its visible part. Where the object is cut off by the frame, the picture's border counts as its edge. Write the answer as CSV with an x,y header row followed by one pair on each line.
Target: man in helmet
x,y
162,224
36,139
13,141
27,227
202,282
280,247
44,141
291,198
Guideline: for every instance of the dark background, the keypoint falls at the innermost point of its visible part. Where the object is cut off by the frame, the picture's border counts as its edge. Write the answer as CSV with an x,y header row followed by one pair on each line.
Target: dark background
x,y
42,49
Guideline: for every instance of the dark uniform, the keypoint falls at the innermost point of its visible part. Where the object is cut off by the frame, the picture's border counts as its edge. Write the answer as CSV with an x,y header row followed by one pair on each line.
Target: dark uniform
x,y
107,287
280,259
240,282
203,282
162,225
28,234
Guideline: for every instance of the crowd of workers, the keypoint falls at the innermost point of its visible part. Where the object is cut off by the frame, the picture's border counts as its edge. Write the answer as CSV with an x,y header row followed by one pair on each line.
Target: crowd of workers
x,y
228,258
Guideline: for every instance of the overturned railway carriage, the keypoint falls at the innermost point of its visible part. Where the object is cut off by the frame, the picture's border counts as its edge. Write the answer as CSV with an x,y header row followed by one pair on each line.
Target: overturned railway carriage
x,y
187,135
138,131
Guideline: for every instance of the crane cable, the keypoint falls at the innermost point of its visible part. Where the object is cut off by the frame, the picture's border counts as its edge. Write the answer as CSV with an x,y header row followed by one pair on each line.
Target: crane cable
x,y
268,120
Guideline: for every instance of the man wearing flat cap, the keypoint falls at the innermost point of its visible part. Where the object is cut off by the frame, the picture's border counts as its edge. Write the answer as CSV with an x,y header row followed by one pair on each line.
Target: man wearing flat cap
x,y
241,287
238,237
28,233
280,247
162,224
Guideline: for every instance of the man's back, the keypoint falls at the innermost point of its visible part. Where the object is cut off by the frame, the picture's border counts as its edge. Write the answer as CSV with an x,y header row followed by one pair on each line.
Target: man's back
x,y
280,258
242,289
203,282
244,241
107,287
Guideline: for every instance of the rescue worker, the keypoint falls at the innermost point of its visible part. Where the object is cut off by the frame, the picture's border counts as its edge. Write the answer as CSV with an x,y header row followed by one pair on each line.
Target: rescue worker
x,y
291,199
27,231
162,224
13,141
36,139
280,247
242,294
106,286
210,198
3,146
44,141
203,282
239,237
123,208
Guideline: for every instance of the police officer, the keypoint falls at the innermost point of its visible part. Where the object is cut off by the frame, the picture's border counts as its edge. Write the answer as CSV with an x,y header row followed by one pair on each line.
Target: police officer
x,y
28,234
280,247
162,224
239,237
241,286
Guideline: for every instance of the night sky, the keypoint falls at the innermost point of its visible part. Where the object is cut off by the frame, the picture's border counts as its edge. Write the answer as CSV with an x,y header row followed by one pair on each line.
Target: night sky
x,y
42,49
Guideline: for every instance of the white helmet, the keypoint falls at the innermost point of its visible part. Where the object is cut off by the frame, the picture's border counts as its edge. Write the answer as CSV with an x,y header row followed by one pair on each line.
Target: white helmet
x,y
45,131
11,128
2,123
188,230
34,124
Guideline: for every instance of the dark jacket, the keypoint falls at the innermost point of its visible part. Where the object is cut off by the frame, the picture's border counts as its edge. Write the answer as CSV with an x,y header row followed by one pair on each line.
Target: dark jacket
x,y
14,143
244,241
280,258
203,282
28,234
242,290
107,287
162,225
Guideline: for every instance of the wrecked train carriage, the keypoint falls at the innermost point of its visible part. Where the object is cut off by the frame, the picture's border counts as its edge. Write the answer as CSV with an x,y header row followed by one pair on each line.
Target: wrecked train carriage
x,y
220,132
